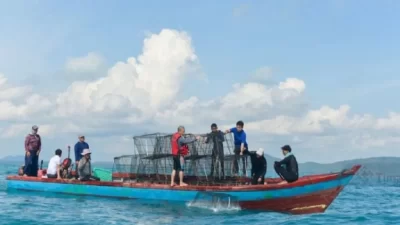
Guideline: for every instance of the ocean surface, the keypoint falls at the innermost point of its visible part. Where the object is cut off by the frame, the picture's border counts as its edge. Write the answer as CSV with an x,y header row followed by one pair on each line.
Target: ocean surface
x,y
361,202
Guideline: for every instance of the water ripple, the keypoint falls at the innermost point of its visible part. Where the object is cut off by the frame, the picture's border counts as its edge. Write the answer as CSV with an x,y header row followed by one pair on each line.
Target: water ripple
x,y
355,205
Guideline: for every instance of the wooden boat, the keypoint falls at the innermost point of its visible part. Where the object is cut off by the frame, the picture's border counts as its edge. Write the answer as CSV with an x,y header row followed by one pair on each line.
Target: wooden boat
x,y
310,194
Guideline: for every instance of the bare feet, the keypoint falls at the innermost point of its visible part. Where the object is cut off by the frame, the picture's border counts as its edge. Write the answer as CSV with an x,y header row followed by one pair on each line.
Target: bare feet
x,y
183,184
283,182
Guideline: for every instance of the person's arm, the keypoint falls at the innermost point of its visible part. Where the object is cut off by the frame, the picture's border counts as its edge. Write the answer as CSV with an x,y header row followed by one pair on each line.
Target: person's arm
x,y
243,141
207,138
58,171
230,130
27,139
221,136
40,143
283,161
187,140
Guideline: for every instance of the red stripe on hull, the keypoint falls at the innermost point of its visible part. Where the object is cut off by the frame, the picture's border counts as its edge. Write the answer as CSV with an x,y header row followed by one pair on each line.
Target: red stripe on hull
x,y
316,202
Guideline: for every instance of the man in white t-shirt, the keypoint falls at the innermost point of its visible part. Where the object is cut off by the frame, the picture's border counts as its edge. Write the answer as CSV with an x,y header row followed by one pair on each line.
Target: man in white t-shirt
x,y
53,170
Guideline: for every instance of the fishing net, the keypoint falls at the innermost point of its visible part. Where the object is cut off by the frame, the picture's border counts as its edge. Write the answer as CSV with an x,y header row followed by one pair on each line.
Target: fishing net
x,y
210,161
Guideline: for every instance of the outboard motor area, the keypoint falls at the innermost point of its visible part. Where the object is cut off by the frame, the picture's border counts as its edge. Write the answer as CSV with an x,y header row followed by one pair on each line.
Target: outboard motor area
x,y
216,202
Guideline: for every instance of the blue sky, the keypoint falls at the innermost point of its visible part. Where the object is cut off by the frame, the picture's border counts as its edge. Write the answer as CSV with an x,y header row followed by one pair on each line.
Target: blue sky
x,y
346,52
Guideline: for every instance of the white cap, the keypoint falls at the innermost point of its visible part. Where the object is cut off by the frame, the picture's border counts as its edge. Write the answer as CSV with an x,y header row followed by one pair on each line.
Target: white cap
x,y
260,152
85,152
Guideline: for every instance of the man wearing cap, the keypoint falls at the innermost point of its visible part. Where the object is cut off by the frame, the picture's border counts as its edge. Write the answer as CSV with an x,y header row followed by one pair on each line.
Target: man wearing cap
x,y
287,168
258,166
33,145
85,167
79,147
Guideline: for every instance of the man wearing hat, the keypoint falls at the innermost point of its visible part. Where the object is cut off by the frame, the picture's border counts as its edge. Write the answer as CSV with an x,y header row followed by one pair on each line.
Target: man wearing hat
x,y
79,147
258,166
287,168
85,167
33,145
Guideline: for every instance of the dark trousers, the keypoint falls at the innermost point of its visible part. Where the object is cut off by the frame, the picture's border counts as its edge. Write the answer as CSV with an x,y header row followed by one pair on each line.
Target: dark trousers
x,y
254,179
285,175
214,160
236,163
31,164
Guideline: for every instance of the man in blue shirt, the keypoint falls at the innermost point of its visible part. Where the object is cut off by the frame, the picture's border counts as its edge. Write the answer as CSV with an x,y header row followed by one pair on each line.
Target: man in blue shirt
x,y
79,147
240,145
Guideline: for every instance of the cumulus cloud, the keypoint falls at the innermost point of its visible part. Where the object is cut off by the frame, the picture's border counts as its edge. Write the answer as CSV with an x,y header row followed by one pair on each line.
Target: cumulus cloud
x,y
89,63
144,84
9,92
143,93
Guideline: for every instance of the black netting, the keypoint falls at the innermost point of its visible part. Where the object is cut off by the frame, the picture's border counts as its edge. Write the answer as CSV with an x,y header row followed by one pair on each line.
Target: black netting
x,y
209,162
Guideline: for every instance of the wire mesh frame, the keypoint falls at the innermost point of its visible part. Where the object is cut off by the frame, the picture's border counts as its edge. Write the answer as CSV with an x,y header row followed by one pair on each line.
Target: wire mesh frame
x,y
153,157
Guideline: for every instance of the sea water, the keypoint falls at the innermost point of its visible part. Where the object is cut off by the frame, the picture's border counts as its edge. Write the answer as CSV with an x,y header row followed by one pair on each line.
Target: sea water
x,y
359,203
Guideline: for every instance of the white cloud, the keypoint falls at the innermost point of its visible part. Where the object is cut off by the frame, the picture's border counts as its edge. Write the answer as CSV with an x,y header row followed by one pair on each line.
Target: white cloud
x,y
23,129
8,92
89,63
147,83
144,93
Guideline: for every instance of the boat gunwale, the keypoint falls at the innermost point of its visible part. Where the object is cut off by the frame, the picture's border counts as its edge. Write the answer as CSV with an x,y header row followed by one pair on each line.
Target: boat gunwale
x,y
303,181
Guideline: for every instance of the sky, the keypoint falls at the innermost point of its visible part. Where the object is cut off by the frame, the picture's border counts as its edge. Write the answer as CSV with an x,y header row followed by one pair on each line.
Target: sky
x,y
321,76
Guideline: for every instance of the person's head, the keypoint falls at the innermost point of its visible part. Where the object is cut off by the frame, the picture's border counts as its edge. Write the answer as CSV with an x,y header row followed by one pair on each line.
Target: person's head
x,y
35,129
86,153
286,149
81,138
58,152
260,152
239,125
214,127
181,130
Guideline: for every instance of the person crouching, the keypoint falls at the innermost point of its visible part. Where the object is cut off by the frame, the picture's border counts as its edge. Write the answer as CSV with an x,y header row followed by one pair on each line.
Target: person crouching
x,y
290,172
53,169
85,167
258,166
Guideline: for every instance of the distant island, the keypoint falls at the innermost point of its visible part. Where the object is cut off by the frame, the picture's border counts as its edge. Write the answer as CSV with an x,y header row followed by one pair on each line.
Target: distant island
x,y
372,166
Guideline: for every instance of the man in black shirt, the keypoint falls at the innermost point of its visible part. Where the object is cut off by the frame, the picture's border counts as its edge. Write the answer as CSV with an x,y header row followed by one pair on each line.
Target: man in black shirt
x,y
217,138
287,169
258,166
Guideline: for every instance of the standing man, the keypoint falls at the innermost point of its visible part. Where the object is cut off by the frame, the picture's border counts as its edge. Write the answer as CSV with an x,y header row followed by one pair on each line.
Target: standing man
x,y
79,147
240,146
217,138
33,145
179,149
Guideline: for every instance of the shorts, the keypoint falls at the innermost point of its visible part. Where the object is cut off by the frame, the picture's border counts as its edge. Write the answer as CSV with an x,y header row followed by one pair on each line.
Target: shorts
x,y
177,163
